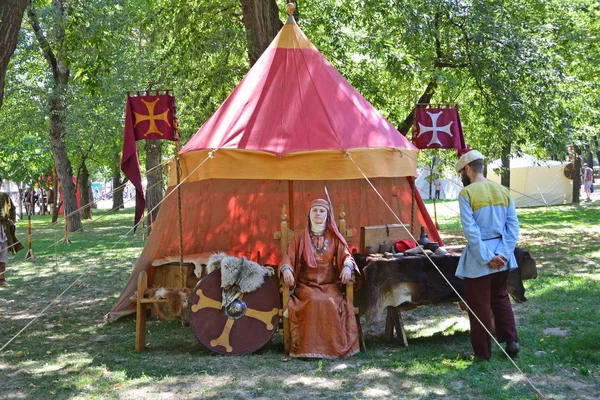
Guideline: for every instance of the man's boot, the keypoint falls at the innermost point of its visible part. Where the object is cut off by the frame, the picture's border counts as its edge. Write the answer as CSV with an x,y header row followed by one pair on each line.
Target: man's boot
x,y
2,271
512,348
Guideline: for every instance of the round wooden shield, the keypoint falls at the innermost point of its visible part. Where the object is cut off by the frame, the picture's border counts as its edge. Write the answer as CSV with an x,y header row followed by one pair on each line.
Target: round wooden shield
x,y
568,171
244,327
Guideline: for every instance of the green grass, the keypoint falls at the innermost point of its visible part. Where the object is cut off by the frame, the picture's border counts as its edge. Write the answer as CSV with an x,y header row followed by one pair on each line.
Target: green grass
x,y
70,352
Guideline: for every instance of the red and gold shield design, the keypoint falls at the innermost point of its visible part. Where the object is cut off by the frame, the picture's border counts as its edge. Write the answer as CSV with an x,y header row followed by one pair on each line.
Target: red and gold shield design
x,y
244,327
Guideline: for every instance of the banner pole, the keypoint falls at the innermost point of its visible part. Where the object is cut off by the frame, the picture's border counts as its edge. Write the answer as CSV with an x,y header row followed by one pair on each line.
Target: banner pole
x,y
179,218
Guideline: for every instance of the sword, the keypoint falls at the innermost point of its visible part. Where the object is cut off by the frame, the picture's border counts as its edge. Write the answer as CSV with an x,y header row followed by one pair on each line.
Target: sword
x,y
330,205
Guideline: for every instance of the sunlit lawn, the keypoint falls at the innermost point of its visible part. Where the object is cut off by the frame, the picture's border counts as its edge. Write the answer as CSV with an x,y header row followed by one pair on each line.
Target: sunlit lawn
x,y
69,352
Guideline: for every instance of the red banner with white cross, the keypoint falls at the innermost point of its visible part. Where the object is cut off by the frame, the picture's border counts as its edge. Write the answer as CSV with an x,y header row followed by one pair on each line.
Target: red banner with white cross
x,y
438,128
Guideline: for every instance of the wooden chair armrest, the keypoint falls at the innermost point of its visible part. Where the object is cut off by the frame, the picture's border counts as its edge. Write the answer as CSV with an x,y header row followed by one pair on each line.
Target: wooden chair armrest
x,y
285,296
350,288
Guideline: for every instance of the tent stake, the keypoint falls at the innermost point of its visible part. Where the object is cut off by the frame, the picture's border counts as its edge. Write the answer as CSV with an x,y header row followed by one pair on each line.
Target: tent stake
x,y
29,254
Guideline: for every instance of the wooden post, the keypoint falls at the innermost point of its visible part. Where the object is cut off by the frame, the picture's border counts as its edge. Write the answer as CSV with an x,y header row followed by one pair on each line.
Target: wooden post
x,y
287,337
291,203
29,254
140,317
342,221
285,240
394,323
143,227
66,240
435,214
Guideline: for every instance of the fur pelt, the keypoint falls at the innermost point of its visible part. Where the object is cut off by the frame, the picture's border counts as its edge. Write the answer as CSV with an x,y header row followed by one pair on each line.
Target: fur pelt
x,y
238,275
410,282
176,307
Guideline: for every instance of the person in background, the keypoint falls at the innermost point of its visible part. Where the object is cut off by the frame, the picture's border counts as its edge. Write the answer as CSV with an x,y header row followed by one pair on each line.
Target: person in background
x,y
587,178
8,241
438,187
491,227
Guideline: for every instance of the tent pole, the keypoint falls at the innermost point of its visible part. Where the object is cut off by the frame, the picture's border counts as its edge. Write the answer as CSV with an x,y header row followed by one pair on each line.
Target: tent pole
x,y
435,214
178,166
412,206
291,203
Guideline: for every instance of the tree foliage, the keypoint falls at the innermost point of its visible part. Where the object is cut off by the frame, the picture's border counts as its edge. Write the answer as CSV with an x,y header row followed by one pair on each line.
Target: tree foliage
x,y
524,72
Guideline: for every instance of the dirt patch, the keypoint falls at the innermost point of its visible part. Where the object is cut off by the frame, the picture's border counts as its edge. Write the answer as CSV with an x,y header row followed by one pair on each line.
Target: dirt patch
x,y
569,382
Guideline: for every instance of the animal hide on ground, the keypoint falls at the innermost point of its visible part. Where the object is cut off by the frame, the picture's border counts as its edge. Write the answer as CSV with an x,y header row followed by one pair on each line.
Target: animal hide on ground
x,y
238,275
176,307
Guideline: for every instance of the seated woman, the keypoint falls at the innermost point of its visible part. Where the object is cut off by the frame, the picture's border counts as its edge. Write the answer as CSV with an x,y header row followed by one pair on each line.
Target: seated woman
x,y
322,321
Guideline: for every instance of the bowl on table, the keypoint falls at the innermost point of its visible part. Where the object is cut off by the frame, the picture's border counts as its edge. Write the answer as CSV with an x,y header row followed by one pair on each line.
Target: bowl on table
x,y
433,246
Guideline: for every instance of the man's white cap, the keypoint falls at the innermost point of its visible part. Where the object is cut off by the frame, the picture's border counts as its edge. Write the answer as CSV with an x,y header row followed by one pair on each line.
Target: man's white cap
x,y
467,158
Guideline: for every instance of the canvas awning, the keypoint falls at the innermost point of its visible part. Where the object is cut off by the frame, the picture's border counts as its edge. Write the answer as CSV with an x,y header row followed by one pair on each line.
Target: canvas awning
x,y
294,116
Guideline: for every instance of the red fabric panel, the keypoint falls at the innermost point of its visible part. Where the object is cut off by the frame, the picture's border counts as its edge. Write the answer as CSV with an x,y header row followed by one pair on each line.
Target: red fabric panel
x,y
241,216
294,100
61,210
429,225
151,116
438,127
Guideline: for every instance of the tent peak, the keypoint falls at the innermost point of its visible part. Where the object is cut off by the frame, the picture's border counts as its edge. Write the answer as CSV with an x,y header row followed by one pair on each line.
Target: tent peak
x,y
290,7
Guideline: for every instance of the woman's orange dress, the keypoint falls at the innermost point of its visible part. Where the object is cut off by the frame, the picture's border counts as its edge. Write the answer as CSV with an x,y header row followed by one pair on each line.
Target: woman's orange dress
x,y
322,321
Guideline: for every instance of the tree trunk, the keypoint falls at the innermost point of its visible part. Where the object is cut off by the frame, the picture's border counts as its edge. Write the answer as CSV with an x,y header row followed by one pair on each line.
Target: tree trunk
x,y
587,155
55,205
11,16
65,174
595,139
58,102
505,170
154,189
261,19
85,190
21,192
404,128
42,201
117,190
576,173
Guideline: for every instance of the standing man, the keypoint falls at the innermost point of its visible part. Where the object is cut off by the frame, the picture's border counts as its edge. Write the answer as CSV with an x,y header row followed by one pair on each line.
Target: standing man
x,y
490,224
438,187
8,240
588,177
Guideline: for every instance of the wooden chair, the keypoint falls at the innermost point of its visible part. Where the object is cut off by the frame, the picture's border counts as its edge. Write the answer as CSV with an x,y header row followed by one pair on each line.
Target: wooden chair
x,y
142,304
285,236
167,274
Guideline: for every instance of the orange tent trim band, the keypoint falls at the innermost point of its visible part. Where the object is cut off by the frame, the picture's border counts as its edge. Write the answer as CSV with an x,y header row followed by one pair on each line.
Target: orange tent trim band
x,y
313,165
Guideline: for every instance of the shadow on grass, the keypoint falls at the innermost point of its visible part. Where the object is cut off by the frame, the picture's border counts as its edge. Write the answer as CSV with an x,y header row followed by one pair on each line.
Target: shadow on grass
x,y
70,352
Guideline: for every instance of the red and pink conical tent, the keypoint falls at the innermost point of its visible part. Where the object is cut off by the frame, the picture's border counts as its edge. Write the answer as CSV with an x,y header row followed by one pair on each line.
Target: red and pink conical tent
x,y
292,126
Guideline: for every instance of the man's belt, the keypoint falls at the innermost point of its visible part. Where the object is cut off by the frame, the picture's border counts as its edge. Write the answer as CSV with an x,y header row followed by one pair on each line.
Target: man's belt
x,y
497,237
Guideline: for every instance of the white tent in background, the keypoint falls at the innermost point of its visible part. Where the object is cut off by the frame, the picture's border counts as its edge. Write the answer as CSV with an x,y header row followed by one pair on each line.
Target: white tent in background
x,y
534,182
450,188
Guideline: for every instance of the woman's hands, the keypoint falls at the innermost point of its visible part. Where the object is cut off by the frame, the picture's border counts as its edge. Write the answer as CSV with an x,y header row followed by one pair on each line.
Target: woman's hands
x,y
346,274
288,277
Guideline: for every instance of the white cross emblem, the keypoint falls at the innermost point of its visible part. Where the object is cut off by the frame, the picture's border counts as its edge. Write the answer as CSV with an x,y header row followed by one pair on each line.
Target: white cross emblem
x,y
434,128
